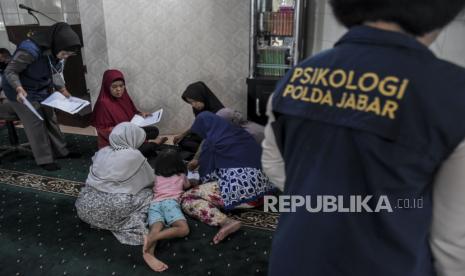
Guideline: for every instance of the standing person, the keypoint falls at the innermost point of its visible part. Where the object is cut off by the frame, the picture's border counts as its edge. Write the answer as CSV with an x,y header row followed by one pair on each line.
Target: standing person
x,y
34,71
114,106
201,98
117,196
374,118
229,167
170,183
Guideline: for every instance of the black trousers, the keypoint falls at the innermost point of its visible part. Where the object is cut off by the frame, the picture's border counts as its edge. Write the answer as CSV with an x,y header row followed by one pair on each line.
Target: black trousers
x,y
149,149
190,142
151,132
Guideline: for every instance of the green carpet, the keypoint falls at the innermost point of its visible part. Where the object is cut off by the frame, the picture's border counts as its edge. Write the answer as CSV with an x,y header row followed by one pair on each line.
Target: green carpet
x,y
40,233
71,169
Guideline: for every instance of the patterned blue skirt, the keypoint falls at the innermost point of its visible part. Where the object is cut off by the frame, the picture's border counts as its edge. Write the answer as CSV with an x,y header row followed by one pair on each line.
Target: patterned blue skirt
x,y
239,185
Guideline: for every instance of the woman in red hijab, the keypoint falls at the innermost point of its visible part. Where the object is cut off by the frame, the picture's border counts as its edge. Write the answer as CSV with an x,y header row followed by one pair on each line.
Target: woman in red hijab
x,y
114,106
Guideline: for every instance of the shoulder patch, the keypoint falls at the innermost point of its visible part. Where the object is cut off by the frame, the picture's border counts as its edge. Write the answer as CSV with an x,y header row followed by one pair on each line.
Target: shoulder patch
x,y
30,47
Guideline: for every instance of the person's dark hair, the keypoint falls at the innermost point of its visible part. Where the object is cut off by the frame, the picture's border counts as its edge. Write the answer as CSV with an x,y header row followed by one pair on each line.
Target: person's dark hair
x,y
416,17
199,91
4,51
169,163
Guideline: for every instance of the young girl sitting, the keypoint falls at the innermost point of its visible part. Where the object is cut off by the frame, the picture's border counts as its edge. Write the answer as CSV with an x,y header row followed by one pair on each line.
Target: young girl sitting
x,y
170,182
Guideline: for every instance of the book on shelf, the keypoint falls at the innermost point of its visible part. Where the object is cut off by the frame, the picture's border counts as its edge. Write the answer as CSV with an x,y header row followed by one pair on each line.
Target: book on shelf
x,y
269,25
272,61
277,23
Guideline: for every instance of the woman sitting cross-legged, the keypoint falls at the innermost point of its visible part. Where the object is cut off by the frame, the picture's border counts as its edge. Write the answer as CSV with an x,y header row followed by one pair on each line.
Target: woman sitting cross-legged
x,y
114,106
117,196
230,167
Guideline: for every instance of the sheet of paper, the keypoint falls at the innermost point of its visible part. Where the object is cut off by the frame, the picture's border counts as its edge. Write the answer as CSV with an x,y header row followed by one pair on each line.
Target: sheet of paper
x,y
29,105
137,120
193,175
149,120
71,105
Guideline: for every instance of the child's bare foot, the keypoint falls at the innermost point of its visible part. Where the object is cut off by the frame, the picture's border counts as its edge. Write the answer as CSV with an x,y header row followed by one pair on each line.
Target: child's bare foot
x,y
154,263
229,227
160,140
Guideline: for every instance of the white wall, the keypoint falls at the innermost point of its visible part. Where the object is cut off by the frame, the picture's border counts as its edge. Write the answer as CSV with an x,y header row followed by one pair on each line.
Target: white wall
x,y
162,46
95,50
450,45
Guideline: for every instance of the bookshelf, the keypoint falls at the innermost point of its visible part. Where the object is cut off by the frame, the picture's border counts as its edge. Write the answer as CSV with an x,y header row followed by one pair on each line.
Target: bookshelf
x,y
276,44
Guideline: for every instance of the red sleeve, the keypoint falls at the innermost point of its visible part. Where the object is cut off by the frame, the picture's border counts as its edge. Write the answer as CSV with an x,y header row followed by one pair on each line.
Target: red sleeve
x,y
134,109
103,134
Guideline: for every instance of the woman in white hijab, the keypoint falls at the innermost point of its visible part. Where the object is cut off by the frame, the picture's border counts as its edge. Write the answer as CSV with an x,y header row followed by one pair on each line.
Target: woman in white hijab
x,y
117,193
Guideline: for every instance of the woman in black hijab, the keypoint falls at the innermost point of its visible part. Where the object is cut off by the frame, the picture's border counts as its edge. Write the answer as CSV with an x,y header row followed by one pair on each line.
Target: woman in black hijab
x,y
35,71
201,98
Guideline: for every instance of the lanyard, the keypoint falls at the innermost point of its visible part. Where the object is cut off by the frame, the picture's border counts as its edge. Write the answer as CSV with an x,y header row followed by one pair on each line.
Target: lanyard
x,y
53,68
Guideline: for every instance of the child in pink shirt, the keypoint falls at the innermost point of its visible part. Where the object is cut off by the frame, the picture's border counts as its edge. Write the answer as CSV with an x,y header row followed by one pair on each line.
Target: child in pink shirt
x,y
170,183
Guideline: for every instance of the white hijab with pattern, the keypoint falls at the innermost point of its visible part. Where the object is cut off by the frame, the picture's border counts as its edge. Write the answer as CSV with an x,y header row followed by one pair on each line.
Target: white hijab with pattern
x,y
121,167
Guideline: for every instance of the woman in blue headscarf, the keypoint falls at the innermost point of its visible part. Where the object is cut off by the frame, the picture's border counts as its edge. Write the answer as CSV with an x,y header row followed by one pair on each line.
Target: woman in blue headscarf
x,y
230,167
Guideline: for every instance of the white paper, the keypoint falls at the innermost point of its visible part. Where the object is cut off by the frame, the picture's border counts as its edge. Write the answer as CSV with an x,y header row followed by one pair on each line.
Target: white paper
x,y
149,120
29,105
71,105
193,175
137,120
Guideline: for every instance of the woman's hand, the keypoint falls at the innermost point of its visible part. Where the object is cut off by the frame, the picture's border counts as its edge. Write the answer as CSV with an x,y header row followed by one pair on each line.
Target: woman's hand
x,y
20,94
192,165
65,92
145,114
178,138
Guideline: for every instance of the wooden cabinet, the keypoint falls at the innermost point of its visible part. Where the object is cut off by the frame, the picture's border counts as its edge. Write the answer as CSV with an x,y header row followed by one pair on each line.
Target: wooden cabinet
x,y
258,91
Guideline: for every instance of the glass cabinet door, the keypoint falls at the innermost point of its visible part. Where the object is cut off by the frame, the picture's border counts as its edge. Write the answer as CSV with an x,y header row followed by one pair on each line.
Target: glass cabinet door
x,y
274,36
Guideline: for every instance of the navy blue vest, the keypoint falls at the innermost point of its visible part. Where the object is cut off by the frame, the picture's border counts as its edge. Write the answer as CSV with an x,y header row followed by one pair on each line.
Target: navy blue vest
x,y
374,116
36,79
